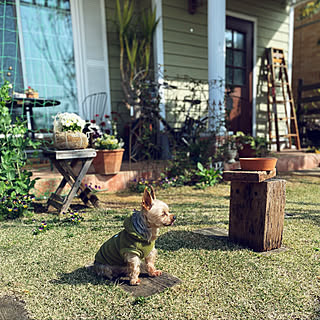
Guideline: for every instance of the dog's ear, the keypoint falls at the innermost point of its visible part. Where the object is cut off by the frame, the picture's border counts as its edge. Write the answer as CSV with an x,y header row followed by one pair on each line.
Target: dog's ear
x,y
146,200
153,195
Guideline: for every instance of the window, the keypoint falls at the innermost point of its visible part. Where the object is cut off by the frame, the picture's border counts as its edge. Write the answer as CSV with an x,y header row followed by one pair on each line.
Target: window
x,y
10,54
235,58
38,48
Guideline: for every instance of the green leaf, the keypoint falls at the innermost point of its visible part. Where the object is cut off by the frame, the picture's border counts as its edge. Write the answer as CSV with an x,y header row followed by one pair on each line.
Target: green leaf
x,y
200,166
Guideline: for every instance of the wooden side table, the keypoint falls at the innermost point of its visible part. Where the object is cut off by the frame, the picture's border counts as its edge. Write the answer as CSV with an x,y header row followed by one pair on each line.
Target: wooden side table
x,y
65,161
257,202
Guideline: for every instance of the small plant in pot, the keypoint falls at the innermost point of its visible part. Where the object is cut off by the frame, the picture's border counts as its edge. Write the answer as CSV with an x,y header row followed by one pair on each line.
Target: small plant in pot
x,y
229,149
31,93
249,146
109,154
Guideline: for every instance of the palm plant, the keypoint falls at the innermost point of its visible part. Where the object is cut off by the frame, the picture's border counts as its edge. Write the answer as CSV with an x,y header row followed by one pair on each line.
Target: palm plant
x,y
135,47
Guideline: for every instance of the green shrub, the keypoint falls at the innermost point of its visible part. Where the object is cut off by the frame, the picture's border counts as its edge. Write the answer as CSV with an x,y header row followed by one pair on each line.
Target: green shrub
x,y
15,181
200,177
207,177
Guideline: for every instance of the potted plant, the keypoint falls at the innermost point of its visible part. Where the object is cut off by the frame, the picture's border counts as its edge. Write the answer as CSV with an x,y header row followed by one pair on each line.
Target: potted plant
x,y
229,149
109,154
67,131
249,146
31,93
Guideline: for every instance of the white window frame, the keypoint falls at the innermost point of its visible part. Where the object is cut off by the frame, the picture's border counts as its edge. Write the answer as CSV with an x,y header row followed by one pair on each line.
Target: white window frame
x,y
80,51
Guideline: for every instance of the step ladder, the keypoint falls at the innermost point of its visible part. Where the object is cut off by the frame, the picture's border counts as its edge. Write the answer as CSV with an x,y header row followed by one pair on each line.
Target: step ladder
x,y
281,108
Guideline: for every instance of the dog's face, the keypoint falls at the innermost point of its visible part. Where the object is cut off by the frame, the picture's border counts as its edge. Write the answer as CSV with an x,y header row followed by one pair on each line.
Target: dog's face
x,y
156,211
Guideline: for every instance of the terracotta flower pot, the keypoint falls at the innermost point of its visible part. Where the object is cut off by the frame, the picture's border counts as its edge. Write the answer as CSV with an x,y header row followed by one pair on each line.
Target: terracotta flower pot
x,y
258,164
34,95
108,161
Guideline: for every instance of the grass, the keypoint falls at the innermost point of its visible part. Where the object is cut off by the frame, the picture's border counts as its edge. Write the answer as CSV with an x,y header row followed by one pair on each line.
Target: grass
x,y
220,280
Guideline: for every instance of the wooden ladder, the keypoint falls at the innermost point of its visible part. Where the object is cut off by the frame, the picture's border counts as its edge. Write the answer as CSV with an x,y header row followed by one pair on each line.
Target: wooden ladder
x,y
278,85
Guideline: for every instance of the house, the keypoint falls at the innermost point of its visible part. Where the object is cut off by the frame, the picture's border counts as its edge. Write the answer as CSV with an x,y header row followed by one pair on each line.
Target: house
x,y
306,71
306,62
68,49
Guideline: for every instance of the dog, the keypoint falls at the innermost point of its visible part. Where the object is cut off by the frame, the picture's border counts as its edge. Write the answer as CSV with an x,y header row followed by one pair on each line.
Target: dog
x,y
122,254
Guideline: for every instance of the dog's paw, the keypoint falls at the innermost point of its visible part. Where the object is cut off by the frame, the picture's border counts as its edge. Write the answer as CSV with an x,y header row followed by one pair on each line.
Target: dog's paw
x,y
135,282
155,273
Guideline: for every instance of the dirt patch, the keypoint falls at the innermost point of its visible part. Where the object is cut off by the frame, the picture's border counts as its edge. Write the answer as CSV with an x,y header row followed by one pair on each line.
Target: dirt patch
x,y
12,309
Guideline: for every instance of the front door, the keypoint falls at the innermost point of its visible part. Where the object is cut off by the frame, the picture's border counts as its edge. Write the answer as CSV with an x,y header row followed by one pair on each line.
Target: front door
x,y
239,71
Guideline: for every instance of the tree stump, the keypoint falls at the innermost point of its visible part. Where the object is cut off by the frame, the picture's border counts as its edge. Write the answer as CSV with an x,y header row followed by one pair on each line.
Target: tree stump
x,y
257,212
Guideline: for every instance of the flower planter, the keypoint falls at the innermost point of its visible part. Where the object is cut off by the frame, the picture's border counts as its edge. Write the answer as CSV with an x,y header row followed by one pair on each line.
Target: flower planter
x,y
258,164
69,140
230,155
108,161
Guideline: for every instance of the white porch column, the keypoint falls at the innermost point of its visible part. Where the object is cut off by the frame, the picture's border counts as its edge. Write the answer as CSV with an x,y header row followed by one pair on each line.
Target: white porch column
x,y
158,55
290,48
216,63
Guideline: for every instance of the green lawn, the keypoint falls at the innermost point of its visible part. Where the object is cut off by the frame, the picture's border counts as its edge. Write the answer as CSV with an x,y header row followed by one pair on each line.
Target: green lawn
x,y
220,280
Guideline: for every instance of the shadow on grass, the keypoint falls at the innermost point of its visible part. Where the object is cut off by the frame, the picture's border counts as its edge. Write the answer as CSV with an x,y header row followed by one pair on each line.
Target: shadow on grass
x,y
80,276
304,203
83,275
304,214
43,208
176,240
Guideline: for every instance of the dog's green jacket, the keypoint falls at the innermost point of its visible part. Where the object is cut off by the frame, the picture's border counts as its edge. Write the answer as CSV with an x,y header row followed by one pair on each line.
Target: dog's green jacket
x,y
128,240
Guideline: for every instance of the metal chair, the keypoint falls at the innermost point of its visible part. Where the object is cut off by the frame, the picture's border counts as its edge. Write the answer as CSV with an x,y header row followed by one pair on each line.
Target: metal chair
x,y
94,107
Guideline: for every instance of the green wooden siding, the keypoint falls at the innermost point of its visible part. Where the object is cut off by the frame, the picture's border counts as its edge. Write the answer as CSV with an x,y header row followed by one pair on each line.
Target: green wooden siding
x,y
185,41
113,52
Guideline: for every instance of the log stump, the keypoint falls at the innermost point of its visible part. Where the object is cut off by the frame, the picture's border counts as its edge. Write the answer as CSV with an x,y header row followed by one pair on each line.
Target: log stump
x,y
256,210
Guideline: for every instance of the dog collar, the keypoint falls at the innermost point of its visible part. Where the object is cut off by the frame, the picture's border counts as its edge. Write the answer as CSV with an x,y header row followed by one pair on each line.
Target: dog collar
x,y
140,226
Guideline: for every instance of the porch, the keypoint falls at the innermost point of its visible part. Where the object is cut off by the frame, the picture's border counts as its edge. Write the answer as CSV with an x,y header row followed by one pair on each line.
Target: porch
x,y
299,162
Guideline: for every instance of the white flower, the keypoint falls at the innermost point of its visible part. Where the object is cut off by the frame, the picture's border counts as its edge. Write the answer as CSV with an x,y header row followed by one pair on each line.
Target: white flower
x,y
66,120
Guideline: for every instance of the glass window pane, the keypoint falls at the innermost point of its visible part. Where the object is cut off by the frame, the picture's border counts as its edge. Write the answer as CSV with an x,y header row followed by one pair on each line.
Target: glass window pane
x,y
229,57
9,49
229,75
228,36
239,76
238,40
238,59
49,57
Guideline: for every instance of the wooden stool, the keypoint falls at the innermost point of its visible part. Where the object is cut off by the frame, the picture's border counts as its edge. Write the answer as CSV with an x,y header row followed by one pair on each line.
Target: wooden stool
x,y
65,161
257,202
